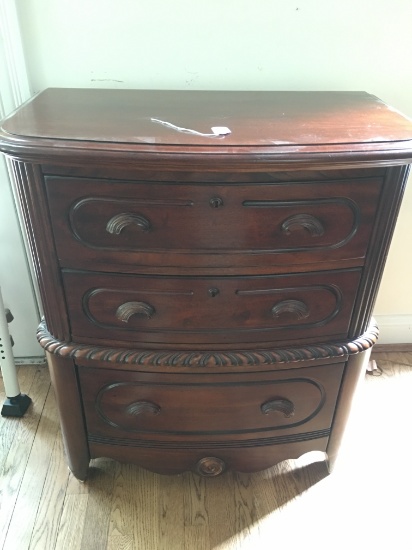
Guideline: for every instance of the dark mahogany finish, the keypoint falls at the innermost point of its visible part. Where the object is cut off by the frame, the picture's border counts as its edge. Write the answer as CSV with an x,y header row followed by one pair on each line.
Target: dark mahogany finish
x,y
202,407
181,309
207,299
97,221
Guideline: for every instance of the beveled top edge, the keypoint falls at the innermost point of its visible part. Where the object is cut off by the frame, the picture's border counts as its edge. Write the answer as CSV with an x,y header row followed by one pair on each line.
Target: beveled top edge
x,y
271,123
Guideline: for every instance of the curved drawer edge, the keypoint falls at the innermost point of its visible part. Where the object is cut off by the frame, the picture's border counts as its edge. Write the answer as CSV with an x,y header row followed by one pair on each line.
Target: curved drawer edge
x,y
218,358
210,444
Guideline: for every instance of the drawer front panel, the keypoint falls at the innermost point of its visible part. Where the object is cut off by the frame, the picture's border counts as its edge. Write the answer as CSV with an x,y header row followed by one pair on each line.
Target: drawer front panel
x,y
135,223
145,405
210,309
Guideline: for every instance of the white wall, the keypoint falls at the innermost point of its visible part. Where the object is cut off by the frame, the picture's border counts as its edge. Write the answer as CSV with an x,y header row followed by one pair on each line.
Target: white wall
x,y
242,44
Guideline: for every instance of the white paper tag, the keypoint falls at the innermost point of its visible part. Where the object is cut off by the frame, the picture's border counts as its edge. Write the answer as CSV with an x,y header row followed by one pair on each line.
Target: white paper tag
x,y
217,130
221,130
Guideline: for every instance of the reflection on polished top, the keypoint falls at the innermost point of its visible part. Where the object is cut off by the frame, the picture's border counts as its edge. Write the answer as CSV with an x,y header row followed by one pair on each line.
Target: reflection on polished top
x,y
281,121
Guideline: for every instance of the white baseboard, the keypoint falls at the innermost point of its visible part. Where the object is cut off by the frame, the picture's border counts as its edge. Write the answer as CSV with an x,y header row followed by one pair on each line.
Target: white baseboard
x,y
394,329
37,360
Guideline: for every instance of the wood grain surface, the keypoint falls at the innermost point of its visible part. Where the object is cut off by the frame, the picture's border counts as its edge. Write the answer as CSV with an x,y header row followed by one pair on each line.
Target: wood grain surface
x,y
265,221
346,127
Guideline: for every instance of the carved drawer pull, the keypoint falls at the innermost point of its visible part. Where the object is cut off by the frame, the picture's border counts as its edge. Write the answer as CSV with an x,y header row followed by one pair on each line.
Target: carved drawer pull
x,y
142,407
279,405
210,466
296,307
305,221
125,311
116,224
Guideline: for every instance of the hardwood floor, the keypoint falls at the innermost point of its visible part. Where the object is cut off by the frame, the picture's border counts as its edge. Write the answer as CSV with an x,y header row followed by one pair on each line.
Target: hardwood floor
x,y
296,504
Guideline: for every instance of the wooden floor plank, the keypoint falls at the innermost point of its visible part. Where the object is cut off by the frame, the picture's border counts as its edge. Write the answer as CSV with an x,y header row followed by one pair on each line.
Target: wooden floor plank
x,y
244,501
121,514
72,523
220,505
75,486
14,466
263,488
197,537
52,500
120,542
194,500
171,512
28,501
146,509
99,504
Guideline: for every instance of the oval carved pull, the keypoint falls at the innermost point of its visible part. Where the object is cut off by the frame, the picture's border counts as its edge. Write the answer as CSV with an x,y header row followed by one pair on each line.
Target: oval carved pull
x,y
125,311
306,221
142,407
295,307
284,406
210,466
116,224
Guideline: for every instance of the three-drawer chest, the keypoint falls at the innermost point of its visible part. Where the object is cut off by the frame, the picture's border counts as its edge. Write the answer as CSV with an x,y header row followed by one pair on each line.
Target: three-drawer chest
x,y
208,264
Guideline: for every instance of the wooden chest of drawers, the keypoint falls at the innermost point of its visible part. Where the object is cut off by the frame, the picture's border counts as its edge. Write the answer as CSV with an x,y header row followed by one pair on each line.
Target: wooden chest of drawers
x,y
207,297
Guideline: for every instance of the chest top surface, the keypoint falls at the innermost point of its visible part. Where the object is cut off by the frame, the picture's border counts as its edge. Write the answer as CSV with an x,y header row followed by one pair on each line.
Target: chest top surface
x,y
278,125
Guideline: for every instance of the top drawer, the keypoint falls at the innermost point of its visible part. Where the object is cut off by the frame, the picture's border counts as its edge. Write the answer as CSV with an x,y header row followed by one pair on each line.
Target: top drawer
x,y
132,224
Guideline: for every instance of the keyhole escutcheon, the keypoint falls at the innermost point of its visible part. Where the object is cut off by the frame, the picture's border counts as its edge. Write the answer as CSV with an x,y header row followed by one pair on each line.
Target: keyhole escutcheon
x,y
213,292
216,202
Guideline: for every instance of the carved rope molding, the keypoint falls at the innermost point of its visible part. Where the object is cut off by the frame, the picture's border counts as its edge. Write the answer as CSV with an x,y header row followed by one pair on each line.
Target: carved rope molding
x,y
221,358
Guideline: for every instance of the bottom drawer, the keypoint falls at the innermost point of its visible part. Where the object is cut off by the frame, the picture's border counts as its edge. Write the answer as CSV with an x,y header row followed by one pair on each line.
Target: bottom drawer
x,y
190,408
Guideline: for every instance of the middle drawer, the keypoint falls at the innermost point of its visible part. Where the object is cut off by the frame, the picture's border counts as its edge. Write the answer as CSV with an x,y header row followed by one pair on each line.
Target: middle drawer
x,y
215,310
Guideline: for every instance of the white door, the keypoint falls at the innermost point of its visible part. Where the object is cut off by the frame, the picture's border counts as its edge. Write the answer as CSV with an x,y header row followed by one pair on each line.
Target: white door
x,y
15,275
